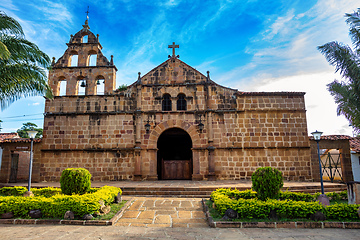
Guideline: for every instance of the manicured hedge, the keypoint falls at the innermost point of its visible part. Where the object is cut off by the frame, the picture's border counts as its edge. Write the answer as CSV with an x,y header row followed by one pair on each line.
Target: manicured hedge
x,y
56,205
249,207
45,192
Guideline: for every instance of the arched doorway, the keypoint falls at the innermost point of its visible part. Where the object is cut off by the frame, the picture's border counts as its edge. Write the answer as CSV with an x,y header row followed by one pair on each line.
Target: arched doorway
x,y
174,156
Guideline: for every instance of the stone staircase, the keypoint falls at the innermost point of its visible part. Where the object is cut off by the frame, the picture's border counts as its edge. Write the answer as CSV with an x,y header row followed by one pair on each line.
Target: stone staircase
x,y
205,191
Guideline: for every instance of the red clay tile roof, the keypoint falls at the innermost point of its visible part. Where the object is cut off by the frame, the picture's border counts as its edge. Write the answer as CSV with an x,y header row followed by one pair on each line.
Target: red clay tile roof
x,y
8,135
333,137
20,140
271,93
14,137
355,144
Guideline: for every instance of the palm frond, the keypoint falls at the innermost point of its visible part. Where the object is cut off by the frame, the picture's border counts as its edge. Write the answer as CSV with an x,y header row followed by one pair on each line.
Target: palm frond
x,y
9,25
353,19
343,58
355,38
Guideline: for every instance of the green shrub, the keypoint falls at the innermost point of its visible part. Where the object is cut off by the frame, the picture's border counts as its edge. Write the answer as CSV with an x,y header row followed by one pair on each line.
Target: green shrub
x,y
75,181
254,208
58,204
334,196
13,191
296,196
341,211
267,182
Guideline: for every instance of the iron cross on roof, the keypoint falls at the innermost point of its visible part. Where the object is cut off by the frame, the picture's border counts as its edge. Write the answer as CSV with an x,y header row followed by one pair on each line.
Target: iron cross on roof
x,y
173,46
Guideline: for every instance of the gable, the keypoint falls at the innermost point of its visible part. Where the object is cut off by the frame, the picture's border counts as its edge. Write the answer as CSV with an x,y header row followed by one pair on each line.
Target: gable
x,y
173,71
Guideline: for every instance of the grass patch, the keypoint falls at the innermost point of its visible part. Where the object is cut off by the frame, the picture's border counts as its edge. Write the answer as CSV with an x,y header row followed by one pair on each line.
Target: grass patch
x,y
115,208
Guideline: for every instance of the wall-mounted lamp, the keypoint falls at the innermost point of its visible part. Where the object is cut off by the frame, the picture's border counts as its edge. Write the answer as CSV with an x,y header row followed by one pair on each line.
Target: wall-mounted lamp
x,y
200,125
147,127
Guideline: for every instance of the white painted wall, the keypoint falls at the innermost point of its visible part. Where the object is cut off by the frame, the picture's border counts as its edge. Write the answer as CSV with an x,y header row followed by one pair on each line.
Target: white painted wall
x,y
355,163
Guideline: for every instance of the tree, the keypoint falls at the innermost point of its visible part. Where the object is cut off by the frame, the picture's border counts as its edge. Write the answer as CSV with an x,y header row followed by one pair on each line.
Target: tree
x,y
347,62
22,64
29,127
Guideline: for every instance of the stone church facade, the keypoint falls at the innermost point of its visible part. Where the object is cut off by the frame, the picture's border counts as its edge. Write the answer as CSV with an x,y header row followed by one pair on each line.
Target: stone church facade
x,y
172,123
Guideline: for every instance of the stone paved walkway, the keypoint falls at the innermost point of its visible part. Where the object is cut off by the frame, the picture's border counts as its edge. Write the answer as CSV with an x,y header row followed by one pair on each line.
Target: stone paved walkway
x,y
78,232
163,212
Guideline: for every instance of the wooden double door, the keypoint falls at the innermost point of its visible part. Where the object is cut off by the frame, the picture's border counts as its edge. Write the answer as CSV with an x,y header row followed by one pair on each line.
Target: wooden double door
x,y
174,155
176,169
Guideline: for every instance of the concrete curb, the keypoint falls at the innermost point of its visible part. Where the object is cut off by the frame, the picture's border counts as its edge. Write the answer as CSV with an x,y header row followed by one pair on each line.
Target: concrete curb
x,y
225,224
110,222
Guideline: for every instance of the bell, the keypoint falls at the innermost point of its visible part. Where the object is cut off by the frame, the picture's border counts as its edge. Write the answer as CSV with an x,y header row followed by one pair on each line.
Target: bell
x,y
98,82
83,84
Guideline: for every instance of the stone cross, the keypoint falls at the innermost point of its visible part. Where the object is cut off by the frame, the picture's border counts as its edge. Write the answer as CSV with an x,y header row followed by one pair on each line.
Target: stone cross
x,y
87,13
173,46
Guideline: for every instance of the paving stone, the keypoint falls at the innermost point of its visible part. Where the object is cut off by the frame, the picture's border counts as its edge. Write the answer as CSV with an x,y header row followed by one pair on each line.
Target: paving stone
x,y
138,224
185,204
161,208
162,219
184,214
136,205
122,224
182,225
130,214
185,220
147,215
134,220
197,214
166,212
159,225
149,203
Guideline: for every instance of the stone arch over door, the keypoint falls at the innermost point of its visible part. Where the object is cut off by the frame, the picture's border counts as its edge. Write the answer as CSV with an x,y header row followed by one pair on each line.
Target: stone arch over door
x,y
174,155
187,127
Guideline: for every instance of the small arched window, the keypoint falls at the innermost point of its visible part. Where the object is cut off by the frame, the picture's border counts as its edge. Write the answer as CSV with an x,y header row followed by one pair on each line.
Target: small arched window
x,y
84,39
91,61
166,103
181,102
74,60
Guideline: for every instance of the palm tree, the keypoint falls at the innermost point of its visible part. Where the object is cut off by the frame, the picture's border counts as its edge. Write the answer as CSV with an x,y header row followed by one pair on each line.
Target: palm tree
x,y
22,64
347,62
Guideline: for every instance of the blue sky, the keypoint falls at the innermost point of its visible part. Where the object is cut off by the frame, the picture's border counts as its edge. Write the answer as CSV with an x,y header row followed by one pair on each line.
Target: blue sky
x,y
254,45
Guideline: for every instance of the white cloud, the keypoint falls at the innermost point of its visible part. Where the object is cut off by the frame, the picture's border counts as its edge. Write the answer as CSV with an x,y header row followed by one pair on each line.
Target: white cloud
x,y
55,12
320,105
8,4
280,26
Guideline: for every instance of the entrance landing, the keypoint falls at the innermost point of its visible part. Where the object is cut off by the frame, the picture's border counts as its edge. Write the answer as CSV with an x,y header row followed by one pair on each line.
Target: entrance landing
x,y
163,212
188,188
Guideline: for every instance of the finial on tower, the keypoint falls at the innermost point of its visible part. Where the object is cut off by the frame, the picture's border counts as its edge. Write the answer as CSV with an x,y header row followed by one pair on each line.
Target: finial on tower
x,y
139,78
112,60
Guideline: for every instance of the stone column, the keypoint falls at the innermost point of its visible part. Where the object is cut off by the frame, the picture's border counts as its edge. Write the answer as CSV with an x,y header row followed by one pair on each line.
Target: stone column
x,y
152,153
210,133
138,125
210,148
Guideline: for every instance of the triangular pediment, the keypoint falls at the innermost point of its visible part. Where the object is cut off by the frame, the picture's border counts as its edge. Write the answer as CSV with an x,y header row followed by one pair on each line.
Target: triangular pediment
x,y
173,71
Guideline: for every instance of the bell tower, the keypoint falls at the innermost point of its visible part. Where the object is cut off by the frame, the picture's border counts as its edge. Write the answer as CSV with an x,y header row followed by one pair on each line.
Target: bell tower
x,y
83,69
